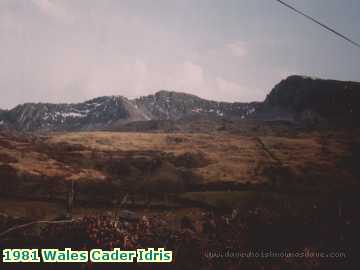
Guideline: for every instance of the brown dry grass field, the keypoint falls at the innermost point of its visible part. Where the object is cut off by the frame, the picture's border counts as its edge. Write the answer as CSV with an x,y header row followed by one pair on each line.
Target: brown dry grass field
x,y
264,165
229,157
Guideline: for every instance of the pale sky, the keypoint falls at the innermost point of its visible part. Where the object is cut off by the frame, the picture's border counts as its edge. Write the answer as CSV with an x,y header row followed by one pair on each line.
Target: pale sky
x,y
230,50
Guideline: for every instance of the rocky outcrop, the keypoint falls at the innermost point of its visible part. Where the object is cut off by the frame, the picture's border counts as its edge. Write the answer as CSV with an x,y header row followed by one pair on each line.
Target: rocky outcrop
x,y
299,99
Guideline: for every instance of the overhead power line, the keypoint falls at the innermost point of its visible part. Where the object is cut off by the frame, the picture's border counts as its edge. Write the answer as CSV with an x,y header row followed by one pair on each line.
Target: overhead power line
x,y
319,23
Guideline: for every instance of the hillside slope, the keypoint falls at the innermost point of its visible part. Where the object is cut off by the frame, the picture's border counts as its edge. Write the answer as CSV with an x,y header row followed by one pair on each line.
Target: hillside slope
x,y
312,100
113,111
297,99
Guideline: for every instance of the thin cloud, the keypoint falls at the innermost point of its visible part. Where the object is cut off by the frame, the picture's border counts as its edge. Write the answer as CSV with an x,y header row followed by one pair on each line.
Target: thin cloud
x,y
53,9
228,90
237,48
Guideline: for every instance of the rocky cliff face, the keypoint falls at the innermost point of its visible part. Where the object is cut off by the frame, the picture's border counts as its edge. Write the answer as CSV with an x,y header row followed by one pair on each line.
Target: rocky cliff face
x,y
295,99
312,100
107,112
166,105
92,114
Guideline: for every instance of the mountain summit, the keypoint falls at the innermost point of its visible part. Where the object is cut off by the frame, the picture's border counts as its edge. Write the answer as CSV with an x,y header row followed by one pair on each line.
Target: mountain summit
x,y
313,100
104,112
296,99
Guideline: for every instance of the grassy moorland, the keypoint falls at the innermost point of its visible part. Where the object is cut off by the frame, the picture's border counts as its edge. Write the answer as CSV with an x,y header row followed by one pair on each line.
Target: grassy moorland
x,y
303,182
105,166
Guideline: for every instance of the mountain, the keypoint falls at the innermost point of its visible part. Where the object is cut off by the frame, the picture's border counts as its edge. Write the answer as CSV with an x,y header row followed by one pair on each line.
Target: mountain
x,y
312,100
166,105
111,112
296,99
89,115
2,117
